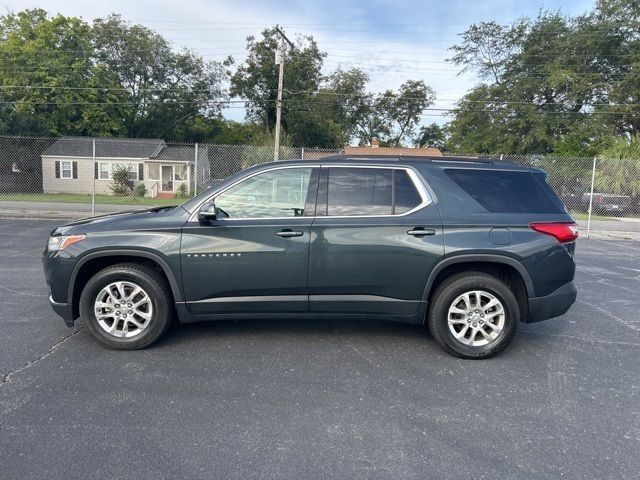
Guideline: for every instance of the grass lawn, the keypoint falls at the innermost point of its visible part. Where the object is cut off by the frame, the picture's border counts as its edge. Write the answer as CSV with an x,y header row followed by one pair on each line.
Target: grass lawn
x,y
585,216
86,198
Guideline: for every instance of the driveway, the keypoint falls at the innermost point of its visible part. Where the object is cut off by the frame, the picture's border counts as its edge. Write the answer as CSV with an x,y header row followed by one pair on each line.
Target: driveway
x,y
330,399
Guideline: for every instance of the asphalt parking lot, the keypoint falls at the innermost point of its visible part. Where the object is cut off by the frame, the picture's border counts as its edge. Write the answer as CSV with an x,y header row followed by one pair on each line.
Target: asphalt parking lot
x,y
293,399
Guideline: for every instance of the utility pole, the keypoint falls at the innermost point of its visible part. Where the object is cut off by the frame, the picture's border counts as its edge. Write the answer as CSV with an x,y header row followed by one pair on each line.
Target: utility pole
x,y
280,63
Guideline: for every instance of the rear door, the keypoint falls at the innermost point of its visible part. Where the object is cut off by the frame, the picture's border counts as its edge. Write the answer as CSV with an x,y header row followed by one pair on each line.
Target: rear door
x,y
375,239
253,258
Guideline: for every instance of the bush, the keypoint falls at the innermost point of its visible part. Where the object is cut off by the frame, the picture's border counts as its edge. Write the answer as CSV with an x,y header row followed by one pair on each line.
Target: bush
x,y
121,184
182,191
140,190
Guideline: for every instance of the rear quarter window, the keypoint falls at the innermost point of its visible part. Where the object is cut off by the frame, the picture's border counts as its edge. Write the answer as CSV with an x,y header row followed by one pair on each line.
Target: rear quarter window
x,y
508,191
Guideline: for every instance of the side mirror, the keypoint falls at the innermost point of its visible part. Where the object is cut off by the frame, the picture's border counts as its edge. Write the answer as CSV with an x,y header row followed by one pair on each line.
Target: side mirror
x,y
207,212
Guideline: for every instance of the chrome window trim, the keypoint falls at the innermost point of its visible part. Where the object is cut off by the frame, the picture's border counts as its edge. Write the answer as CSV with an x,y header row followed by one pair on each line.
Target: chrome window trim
x,y
413,175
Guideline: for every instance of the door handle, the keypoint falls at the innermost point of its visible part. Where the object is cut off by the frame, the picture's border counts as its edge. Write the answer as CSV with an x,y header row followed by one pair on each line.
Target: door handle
x,y
289,233
421,232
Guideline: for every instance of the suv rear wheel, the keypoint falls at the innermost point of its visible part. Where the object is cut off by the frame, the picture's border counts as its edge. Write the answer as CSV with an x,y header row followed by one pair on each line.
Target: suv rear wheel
x,y
473,315
126,306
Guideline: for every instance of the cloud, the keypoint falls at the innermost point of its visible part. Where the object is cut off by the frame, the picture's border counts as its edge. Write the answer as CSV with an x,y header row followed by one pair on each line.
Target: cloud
x,y
393,41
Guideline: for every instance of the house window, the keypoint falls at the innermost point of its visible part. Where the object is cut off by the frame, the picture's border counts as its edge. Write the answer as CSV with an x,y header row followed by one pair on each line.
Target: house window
x,y
66,170
180,173
105,170
154,171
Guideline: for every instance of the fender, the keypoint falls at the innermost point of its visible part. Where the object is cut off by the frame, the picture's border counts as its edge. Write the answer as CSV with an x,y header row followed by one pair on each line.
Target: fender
x,y
480,257
177,294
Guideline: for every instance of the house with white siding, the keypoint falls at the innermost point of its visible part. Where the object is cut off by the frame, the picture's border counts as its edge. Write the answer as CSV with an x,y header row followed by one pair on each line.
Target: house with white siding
x,y
70,166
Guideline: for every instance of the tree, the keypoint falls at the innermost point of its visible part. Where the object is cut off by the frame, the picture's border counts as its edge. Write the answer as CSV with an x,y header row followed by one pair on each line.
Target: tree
x,y
50,82
619,167
488,48
257,81
549,77
393,116
432,135
345,91
163,88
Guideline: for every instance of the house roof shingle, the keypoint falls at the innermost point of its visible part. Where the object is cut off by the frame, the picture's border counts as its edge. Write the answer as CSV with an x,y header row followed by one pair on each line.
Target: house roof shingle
x,y
106,147
181,153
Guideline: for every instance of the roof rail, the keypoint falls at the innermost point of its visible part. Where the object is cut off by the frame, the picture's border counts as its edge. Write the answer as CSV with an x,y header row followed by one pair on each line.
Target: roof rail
x,y
424,158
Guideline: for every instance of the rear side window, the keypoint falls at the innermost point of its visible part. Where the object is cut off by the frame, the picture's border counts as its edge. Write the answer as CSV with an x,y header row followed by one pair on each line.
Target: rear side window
x,y
504,191
359,191
370,191
406,194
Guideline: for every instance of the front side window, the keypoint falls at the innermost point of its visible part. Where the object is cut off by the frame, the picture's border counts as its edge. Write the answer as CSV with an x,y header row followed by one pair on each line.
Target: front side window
x,y
67,170
276,193
370,191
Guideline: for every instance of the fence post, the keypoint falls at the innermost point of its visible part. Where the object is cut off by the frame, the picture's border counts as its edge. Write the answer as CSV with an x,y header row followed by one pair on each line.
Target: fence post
x,y
302,154
195,172
593,178
93,190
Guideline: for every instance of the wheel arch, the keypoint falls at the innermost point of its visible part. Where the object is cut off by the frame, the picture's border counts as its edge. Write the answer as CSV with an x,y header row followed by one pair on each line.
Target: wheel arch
x,y
506,268
95,261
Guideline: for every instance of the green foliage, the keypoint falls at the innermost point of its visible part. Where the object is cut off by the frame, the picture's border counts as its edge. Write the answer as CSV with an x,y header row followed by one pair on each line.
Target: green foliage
x,y
120,184
140,190
619,167
257,80
552,84
54,54
432,135
106,79
162,87
183,191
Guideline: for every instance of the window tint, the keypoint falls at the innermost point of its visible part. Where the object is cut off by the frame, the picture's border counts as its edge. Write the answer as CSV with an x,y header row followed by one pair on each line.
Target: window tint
x,y
503,191
359,191
369,191
278,193
407,196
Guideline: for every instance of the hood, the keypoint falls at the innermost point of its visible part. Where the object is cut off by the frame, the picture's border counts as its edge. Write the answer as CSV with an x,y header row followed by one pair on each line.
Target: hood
x,y
134,220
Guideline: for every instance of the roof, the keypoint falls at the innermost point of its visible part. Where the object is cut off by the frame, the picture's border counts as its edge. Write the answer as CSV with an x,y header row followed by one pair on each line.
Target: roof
x,y
106,147
176,154
392,151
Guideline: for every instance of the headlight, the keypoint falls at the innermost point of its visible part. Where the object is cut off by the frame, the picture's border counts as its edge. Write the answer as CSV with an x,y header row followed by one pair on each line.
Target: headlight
x,y
61,242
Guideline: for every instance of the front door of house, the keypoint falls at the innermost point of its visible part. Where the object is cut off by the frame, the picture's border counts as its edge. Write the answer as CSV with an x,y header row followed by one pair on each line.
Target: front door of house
x,y
167,178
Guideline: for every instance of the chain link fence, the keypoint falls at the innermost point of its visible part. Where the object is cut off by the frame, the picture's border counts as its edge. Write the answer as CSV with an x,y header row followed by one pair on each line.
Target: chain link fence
x,y
602,194
79,177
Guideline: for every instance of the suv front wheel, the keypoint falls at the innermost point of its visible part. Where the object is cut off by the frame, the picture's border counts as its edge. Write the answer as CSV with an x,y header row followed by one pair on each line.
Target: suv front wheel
x,y
473,315
126,306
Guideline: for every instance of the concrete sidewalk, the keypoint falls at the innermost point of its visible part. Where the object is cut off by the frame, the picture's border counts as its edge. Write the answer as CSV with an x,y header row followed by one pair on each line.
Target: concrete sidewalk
x,y
61,210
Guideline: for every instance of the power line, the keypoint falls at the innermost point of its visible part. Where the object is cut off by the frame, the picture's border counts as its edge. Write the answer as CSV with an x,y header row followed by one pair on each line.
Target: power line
x,y
300,92
223,103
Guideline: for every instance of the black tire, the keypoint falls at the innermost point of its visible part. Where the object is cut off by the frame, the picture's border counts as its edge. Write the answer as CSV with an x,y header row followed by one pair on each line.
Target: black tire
x,y
157,289
457,285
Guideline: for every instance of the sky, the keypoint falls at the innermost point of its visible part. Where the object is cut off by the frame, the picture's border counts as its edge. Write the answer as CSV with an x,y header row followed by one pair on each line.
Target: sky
x,y
393,41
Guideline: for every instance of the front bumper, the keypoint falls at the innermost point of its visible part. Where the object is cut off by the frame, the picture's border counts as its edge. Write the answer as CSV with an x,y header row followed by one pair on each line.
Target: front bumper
x,y
64,310
553,305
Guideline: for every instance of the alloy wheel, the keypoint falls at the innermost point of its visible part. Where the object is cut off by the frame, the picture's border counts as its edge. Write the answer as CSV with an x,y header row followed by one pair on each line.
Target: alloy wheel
x,y
476,318
123,309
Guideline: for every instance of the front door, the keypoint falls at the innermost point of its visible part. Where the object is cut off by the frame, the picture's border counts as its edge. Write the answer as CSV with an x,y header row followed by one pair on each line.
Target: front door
x,y
167,178
254,256
375,239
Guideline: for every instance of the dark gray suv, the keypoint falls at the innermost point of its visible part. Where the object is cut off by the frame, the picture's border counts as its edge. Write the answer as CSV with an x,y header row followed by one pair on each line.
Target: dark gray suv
x,y
471,248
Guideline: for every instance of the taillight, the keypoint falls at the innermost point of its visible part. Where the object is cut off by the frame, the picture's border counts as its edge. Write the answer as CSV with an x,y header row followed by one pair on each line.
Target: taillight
x,y
563,232
599,199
